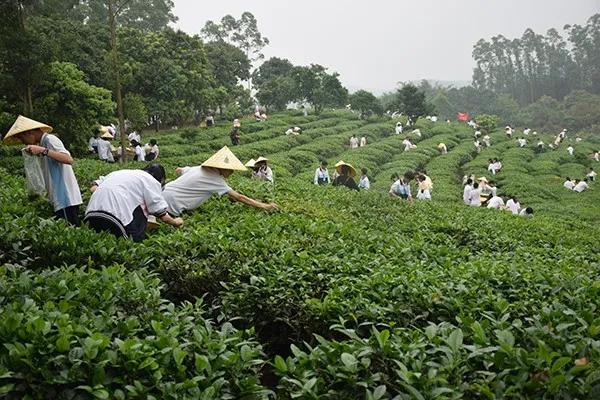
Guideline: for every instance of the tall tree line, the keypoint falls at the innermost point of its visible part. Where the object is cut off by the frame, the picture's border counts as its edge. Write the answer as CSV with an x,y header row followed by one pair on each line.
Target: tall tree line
x,y
537,65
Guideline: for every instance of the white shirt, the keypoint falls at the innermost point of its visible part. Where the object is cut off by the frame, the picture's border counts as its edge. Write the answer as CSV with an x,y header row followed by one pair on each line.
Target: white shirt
x,y
289,131
523,213
398,128
193,188
526,131
105,150
569,185
592,174
581,186
467,194
321,174
434,118
139,152
353,142
570,149
121,192
265,174
93,143
363,141
407,144
61,184
513,206
474,199
495,202
597,156
134,136
364,182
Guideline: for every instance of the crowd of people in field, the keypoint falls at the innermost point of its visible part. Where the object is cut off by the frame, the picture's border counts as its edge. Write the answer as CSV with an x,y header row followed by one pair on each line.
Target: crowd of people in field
x,y
125,201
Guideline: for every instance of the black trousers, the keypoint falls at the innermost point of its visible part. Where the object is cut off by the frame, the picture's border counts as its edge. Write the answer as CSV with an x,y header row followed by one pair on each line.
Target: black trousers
x,y
103,221
69,214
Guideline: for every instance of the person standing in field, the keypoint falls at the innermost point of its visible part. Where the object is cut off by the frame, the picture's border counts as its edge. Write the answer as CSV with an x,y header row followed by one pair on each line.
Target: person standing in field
x,y
262,171
400,187
322,174
198,184
56,163
467,191
475,195
364,182
353,142
442,148
105,148
363,141
592,175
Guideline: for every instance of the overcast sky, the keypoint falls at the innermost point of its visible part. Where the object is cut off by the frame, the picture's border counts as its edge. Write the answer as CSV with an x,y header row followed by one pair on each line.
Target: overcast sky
x,y
376,43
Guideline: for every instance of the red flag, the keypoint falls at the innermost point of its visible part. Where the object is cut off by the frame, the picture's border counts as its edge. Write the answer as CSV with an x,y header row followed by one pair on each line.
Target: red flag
x,y
462,116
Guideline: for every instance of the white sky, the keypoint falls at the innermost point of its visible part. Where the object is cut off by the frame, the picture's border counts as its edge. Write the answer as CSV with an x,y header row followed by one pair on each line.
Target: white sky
x,y
374,44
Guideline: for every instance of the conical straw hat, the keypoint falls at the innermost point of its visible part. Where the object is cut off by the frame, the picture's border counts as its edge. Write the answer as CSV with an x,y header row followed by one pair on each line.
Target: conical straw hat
x,y
260,159
339,165
483,179
250,163
107,135
224,159
24,124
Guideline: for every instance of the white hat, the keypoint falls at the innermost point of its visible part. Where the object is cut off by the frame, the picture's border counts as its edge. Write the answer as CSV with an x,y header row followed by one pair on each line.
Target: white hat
x,y
483,179
224,159
261,159
107,135
250,163
24,124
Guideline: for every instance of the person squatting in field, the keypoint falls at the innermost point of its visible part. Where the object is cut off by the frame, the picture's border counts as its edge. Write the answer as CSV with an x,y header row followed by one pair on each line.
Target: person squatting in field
x,y
122,201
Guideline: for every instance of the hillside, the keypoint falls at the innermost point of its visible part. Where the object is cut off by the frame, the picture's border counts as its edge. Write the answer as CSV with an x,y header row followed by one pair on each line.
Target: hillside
x,y
338,295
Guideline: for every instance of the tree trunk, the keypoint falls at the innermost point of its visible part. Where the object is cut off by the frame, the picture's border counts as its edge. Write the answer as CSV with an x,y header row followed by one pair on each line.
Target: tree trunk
x,y
117,78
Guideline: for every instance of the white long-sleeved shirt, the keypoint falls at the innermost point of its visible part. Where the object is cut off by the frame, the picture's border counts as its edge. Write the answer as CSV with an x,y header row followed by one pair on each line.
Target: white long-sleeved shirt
x,y
513,206
322,175
466,194
364,182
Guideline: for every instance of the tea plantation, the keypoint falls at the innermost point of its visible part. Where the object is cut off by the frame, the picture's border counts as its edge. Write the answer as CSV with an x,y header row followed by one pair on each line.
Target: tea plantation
x,y
338,295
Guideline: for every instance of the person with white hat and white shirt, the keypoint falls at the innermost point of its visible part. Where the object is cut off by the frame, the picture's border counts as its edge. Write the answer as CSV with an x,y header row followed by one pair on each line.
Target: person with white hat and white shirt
x,y
262,171
56,163
198,184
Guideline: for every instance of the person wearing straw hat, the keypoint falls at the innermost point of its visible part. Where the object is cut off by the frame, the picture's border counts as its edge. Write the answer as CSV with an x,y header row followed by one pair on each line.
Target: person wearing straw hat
x,y
105,148
122,200
345,178
262,170
59,178
197,184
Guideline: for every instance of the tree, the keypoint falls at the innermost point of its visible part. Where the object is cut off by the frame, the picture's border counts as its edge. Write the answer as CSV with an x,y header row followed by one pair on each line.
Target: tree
x,y
277,92
272,68
411,101
365,102
145,15
487,123
243,33
73,107
319,88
